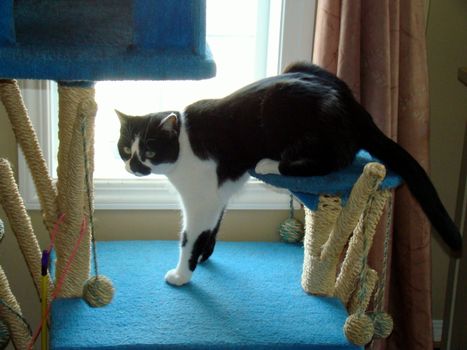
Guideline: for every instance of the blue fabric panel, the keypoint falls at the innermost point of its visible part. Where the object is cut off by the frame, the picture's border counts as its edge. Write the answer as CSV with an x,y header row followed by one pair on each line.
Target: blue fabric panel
x,y
308,189
7,24
95,40
247,296
176,21
61,24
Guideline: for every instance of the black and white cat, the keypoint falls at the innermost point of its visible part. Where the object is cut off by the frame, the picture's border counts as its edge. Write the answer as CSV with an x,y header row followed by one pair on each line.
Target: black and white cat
x,y
303,122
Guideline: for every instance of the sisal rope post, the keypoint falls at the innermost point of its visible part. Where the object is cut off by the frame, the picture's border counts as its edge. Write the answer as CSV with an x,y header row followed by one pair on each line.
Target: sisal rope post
x,y
10,313
75,105
26,137
352,264
327,241
317,275
20,223
366,185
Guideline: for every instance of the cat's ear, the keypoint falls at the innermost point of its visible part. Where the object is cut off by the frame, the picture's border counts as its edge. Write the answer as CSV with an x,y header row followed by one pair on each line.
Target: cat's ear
x,y
121,116
169,123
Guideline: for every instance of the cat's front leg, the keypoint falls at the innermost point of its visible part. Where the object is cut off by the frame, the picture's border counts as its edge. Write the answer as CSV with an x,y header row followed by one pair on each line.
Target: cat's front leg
x,y
181,274
195,247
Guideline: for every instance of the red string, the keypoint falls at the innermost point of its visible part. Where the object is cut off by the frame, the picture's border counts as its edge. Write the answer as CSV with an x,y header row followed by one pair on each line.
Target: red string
x,y
65,271
54,232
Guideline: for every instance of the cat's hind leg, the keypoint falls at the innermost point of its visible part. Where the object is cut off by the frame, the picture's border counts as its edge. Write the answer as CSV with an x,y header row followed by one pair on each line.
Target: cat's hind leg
x,y
308,158
267,166
210,242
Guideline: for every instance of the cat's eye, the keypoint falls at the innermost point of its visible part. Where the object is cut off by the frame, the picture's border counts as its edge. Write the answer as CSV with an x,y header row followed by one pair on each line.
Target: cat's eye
x,y
150,154
127,150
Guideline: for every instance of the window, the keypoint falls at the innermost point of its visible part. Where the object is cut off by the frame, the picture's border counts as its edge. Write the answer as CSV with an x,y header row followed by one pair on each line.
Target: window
x,y
270,34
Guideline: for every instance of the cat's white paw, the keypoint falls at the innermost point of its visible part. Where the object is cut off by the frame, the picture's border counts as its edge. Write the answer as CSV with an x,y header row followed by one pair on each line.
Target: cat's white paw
x,y
176,279
267,166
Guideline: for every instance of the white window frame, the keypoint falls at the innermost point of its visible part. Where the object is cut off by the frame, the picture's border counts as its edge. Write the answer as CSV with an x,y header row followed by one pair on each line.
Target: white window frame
x,y
297,31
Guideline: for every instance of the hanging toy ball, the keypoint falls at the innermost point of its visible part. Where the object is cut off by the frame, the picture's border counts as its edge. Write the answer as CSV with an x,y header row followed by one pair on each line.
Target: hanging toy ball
x,y
382,323
2,230
291,230
4,335
98,291
359,329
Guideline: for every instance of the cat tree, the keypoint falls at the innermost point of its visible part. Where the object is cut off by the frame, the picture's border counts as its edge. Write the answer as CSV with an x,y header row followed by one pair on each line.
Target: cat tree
x,y
154,39
342,211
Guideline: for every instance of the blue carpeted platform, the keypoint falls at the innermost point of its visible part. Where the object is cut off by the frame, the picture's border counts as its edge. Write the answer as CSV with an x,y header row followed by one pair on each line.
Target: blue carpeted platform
x,y
308,189
104,40
247,296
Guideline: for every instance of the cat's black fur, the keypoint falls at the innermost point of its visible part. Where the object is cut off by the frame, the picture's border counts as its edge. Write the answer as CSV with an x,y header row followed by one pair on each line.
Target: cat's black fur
x,y
291,117
306,118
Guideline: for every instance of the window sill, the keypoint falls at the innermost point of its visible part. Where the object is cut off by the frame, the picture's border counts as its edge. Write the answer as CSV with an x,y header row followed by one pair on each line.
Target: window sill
x,y
158,194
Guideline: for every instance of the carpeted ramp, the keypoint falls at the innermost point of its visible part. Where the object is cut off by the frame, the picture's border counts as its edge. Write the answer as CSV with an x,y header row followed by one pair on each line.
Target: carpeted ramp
x,y
247,296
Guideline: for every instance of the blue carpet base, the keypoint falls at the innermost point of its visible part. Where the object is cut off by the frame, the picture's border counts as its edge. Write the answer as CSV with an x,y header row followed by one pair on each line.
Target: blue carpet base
x,y
247,296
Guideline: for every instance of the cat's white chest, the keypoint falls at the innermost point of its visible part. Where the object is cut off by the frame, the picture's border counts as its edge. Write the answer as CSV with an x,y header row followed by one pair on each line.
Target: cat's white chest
x,y
196,179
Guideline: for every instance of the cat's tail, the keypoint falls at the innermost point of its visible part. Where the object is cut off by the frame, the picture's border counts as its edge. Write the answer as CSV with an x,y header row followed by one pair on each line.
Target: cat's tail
x,y
420,185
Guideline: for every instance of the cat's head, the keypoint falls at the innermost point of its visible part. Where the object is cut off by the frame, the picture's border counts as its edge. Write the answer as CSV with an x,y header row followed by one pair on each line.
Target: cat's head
x,y
149,144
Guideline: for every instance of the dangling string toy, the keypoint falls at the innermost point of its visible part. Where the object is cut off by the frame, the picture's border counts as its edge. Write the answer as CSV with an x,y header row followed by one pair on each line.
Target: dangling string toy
x,y
291,230
98,290
63,275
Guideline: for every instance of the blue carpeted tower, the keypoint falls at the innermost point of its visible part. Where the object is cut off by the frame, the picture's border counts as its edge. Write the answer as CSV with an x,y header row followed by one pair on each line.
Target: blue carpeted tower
x,y
248,296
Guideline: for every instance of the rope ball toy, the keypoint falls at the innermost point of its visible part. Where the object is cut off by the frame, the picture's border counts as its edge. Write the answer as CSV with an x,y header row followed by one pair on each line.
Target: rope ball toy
x,y
382,323
359,329
98,291
291,230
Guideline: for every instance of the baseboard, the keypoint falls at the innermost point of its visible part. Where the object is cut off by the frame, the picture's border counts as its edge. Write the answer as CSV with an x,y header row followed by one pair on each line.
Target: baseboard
x,y
437,330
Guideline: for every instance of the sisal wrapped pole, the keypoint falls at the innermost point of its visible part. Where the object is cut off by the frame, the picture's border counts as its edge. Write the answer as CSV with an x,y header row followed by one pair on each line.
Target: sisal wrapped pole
x,y
352,265
76,104
19,331
317,275
20,223
320,267
26,137
366,185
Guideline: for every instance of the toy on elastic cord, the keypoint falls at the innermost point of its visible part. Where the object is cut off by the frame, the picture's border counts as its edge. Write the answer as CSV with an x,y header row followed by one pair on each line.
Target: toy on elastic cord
x,y
98,290
291,230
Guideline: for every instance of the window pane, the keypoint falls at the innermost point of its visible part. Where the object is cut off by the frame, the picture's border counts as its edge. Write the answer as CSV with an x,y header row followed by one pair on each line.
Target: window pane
x,y
240,49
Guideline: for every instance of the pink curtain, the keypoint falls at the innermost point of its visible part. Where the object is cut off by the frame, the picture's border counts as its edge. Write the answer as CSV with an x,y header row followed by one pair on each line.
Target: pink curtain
x,y
379,49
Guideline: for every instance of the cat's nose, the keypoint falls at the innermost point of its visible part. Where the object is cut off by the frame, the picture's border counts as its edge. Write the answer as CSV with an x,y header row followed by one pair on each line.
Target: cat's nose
x,y
139,168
